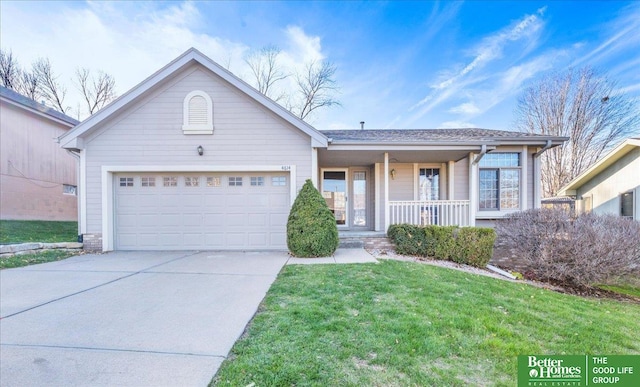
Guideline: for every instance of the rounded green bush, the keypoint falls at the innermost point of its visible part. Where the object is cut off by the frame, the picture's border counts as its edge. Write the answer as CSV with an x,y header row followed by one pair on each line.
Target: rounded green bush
x,y
311,228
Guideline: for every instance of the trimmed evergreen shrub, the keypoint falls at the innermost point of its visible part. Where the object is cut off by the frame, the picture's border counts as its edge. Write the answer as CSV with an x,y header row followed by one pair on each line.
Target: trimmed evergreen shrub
x,y
441,241
409,239
311,227
474,246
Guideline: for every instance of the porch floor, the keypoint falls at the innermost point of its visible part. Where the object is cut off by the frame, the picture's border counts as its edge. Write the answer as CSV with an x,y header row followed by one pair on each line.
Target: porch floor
x,y
361,234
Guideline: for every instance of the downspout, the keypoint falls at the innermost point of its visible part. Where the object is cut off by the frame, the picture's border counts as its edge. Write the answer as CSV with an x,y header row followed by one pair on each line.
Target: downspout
x,y
537,200
483,151
76,155
541,151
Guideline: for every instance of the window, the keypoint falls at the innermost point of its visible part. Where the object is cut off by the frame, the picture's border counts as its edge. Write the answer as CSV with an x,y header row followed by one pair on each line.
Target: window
x,y
499,182
429,184
170,181
257,181
148,181
69,189
213,181
197,113
279,180
626,205
126,182
191,182
235,181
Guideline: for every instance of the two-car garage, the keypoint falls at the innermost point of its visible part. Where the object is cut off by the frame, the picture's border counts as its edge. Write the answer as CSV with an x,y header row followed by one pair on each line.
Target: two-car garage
x,y
200,210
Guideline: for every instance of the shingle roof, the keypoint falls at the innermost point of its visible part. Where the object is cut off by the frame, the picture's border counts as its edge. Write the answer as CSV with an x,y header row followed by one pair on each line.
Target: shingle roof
x,y
428,135
28,102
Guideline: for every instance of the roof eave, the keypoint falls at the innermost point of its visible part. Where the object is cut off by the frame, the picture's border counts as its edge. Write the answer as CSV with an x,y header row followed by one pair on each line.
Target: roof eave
x,y
602,164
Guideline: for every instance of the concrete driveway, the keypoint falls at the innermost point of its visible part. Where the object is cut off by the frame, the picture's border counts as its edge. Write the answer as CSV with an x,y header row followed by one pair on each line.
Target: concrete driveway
x,y
128,318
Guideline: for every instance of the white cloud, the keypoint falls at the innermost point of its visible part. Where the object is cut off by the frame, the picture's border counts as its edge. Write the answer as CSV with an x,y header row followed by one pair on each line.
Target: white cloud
x,y
465,108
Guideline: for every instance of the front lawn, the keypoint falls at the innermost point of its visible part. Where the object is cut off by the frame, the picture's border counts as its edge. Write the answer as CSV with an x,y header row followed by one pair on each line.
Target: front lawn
x,y
403,323
22,231
33,259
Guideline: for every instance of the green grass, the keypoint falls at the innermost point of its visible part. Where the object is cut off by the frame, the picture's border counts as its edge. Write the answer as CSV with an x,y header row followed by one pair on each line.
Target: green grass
x,y
402,323
32,259
629,290
21,231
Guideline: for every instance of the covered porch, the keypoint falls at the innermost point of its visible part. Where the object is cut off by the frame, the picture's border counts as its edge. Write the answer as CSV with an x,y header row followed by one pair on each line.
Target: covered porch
x,y
371,189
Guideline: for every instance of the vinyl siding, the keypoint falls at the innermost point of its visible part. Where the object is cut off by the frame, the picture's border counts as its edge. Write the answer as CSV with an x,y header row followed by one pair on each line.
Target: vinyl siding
x,y
461,180
605,188
149,132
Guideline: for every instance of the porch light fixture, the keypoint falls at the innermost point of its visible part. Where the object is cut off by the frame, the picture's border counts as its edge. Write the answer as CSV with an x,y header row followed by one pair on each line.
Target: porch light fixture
x,y
393,174
200,150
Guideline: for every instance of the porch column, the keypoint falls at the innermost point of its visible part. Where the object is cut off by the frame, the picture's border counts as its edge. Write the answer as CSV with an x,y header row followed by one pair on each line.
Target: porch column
x,y
473,189
537,181
451,180
386,191
314,167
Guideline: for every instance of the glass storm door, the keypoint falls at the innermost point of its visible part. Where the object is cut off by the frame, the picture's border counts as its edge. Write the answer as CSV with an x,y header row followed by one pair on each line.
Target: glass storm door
x,y
359,199
334,191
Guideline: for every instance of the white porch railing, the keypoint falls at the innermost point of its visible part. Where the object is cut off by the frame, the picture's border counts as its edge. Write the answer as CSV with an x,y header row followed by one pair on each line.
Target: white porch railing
x,y
438,212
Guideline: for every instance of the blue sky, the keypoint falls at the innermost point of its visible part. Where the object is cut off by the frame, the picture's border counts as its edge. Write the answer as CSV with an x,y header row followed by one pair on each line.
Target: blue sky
x,y
399,64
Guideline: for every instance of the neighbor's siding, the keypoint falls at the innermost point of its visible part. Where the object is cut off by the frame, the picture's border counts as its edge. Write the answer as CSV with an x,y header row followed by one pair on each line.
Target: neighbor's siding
x,y
606,187
34,167
149,132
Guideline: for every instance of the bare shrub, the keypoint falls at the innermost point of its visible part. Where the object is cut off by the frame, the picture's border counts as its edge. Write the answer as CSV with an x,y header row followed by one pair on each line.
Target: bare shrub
x,y
588,250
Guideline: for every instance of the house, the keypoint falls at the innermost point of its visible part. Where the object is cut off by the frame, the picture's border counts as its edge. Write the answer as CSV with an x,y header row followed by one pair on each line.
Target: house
x,y
195,158
611,185
37,177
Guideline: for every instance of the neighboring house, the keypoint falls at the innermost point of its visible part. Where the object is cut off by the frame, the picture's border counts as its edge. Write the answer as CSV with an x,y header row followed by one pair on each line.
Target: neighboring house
x,y
37,177
611,185
195,158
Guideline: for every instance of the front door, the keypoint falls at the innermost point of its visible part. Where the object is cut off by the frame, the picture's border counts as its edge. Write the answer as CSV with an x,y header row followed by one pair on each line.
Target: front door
x,y
334,191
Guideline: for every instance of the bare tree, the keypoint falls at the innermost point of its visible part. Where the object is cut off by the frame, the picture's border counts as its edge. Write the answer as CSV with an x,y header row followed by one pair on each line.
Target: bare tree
x,y
266,71
96,91
52,90
586,107
9,70
317,88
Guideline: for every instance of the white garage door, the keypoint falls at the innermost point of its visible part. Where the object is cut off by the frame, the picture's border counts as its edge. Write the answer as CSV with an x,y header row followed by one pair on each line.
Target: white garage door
x,y
199,211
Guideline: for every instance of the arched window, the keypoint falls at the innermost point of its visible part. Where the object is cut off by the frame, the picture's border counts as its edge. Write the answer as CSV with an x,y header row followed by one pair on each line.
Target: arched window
x,y
197,113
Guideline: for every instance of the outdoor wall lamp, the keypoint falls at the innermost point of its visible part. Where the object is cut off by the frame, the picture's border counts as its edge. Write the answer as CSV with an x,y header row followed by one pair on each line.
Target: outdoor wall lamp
x,y
393,174
200,150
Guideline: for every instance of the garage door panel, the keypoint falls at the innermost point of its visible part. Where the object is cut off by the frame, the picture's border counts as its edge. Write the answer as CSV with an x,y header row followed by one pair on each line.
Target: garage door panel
x,y
210,215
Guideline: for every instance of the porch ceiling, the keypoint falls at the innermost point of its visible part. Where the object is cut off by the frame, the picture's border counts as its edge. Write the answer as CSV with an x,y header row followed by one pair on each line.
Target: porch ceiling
x,y
346,158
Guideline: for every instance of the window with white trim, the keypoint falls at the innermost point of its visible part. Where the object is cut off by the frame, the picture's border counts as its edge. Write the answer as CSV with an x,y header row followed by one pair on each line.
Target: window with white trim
x,y
499,182
170,181
235,181
148,181
626,205
213,181
257,181
126,182
191,181
279,180
197,113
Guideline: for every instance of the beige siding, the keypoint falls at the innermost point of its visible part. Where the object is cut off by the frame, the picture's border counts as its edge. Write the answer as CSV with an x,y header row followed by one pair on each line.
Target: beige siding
x,y
149,132
461,180
530,176
34,168
606,187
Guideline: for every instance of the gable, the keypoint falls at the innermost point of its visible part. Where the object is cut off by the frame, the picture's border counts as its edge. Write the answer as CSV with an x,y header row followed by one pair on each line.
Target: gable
x,y
155,122
74,139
